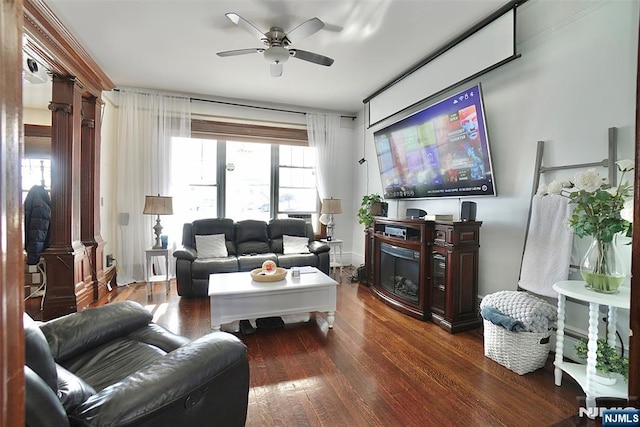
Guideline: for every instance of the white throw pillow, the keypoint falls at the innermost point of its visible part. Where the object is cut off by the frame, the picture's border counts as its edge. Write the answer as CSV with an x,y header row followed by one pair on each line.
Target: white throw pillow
x,y
211,246
295,245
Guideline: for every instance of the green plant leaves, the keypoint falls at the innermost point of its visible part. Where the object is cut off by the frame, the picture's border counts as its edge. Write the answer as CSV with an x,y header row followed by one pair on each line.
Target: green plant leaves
x,y
365,216
608,358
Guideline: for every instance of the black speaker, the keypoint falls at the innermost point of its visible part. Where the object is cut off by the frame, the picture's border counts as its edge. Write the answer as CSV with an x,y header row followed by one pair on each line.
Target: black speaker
x,y
468,211
415,213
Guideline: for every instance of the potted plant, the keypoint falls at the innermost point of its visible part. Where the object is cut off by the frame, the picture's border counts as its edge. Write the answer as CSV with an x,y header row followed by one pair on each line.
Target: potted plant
x,y
371,205
608,361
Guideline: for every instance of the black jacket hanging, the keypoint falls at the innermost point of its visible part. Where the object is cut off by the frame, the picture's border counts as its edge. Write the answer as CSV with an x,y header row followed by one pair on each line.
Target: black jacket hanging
x,y
37,219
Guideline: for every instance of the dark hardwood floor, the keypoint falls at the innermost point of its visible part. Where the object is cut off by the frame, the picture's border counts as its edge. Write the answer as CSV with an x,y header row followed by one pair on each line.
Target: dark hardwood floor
x,y
376,367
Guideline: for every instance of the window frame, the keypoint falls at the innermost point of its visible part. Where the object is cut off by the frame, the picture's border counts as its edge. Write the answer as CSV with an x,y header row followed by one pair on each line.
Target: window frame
x,y
222,132
37,147
276,168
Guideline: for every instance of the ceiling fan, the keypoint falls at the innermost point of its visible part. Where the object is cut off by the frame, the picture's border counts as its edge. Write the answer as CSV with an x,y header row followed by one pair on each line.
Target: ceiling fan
x,y
278,43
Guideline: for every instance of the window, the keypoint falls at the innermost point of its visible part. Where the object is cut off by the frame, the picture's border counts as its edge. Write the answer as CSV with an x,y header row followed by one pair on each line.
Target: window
x,y
195,178
243,180
36,163
247,183
297,191
35,172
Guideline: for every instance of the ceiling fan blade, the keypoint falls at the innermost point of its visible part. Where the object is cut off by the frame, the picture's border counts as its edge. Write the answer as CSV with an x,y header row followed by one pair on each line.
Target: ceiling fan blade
x,y
311,57
304,30
240,51
246,25
276,70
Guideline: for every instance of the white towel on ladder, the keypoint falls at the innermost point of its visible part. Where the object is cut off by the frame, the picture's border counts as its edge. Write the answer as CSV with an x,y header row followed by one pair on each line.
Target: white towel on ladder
x,y
547,254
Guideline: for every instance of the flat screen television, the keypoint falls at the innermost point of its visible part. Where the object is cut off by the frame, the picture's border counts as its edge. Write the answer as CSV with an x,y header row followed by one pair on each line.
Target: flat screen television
x,y
440,151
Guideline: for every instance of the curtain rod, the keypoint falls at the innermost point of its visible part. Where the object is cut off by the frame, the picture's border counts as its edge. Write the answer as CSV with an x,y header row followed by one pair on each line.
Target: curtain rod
x,y
282,110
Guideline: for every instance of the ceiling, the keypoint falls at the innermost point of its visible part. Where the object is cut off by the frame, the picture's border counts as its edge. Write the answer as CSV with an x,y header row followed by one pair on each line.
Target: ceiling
x,y
171,45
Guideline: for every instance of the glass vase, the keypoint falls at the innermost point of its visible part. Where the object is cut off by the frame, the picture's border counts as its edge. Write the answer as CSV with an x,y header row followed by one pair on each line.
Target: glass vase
x,y
602,267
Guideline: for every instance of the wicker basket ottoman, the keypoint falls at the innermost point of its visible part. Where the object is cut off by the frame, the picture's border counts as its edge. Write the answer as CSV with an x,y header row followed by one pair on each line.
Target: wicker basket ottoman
x,y
525,351
521,352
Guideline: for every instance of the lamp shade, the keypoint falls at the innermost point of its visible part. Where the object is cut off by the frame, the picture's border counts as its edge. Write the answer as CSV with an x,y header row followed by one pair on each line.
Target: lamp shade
x,y
331,206
158,205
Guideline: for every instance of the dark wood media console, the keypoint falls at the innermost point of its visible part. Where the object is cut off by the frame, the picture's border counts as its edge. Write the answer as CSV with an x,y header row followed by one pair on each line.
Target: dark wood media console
x,y
427,269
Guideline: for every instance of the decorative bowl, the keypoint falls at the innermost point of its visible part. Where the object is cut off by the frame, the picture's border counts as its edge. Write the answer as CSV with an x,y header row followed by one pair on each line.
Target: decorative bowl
x,y
258,275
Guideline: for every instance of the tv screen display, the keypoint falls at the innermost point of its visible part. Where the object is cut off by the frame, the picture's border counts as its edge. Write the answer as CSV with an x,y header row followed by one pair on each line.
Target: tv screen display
x,y
440,151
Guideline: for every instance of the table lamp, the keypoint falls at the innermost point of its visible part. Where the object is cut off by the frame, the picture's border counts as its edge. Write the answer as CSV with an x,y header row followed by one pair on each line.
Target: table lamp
x,y
330,207
158,205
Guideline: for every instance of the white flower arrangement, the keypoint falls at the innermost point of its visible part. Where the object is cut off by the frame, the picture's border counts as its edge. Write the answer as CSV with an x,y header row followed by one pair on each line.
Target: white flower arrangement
x,y
599,206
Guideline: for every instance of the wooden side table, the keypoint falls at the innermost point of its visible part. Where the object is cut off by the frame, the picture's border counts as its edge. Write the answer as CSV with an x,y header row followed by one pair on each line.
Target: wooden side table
x,y
584,375
151,253
336,249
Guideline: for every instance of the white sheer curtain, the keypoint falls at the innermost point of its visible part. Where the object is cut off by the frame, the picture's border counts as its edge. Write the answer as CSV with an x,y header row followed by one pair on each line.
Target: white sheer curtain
x,y
147,122
322,130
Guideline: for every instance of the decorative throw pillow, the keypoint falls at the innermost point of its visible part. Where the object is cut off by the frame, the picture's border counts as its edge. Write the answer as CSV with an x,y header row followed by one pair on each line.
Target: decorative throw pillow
x,y
295,245
211,246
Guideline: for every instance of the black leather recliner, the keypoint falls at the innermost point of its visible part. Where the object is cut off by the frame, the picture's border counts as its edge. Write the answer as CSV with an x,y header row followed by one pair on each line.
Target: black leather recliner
x,y
249,243
111,366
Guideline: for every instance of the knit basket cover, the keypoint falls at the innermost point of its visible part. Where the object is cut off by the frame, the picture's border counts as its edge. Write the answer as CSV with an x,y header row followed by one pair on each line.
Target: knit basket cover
x,y
536,314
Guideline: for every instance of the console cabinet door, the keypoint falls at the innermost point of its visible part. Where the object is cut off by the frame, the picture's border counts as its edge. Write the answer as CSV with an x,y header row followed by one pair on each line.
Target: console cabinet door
x,y
466,278
458,245
438,296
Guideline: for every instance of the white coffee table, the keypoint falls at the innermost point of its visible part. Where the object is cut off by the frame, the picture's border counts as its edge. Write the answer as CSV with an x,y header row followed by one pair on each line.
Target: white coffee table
x,y
236,296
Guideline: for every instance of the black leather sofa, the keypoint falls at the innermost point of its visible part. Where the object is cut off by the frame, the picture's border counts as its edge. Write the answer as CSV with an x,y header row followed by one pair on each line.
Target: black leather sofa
x,y
249,243
111,366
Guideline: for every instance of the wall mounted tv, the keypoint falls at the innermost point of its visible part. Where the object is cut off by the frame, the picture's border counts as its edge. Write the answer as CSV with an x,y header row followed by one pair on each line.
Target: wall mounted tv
x,y
440,151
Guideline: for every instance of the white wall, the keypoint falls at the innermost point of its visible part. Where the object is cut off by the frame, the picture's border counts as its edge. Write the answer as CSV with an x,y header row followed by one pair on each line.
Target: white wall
x,y
575,79
36,116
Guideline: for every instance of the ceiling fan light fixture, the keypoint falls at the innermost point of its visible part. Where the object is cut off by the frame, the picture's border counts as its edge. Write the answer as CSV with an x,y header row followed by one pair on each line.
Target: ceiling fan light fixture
x,y
276,54
277,42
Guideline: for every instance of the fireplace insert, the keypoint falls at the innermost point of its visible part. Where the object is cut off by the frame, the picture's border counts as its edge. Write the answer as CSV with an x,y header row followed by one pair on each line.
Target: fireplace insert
x,y
400,272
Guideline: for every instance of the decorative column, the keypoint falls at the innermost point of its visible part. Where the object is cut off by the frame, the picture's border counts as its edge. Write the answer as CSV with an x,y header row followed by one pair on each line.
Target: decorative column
x,y
65,291
90,195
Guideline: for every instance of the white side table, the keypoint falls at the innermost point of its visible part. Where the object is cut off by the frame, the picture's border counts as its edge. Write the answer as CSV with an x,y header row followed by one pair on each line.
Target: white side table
x,y
336,249
584,375
151,278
